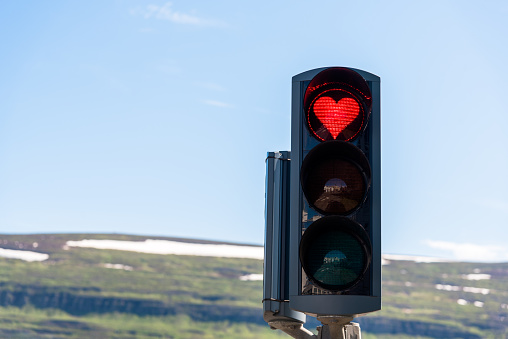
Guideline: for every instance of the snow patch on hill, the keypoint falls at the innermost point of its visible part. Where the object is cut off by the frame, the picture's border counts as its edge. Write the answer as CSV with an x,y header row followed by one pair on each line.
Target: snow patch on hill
x,y
453,288
252,277
418,259
23,255
174,247
118,266
476,276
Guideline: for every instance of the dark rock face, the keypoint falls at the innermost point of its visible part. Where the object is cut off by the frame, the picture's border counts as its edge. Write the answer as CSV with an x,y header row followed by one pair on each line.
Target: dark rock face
x,y
81,304
383,325
77,302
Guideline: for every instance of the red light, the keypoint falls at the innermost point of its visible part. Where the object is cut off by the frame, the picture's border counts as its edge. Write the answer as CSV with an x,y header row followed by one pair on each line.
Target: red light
x,y
336,115
337,104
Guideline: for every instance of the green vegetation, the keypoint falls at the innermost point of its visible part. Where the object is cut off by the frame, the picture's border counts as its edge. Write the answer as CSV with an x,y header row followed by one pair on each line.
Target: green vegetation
x,y
74,294
28,322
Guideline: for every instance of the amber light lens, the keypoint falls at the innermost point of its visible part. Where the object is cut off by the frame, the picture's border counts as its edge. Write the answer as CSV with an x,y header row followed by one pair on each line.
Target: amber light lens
x,y
335,178
335,252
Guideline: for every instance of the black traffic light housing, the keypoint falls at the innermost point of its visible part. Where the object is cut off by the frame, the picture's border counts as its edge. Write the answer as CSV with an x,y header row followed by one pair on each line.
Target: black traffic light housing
x,y
335,190
276,256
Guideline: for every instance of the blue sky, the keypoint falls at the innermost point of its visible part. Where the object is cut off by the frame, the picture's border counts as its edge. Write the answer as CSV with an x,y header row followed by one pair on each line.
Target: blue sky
x,y
154,117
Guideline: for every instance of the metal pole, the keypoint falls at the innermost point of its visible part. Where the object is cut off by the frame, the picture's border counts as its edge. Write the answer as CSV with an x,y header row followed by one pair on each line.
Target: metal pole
x,y
334,327
337,327
292,328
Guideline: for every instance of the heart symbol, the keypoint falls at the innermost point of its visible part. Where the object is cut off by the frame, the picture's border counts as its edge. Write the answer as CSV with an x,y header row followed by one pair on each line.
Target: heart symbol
x,y
336,115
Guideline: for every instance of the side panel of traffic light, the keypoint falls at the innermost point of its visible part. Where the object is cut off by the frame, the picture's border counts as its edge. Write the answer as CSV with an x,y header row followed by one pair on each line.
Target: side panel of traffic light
x,y
276,258
335,188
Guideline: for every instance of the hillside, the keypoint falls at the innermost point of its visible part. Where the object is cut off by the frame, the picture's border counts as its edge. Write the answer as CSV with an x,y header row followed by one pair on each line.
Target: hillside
x,y
86,292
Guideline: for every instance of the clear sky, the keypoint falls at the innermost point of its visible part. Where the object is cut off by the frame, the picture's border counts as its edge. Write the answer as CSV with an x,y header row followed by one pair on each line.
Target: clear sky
x,y
154,117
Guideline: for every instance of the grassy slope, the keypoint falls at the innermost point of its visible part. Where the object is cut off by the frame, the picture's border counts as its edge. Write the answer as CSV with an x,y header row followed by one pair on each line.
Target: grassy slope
x,y
409,294
170,279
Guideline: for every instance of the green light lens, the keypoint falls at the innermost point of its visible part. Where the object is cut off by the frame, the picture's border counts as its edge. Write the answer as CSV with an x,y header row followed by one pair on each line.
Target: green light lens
x,y
335,259
335,253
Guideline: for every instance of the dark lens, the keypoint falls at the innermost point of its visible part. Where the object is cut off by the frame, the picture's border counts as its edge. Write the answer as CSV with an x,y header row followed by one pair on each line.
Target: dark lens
x,y
335,186
333,180
334,252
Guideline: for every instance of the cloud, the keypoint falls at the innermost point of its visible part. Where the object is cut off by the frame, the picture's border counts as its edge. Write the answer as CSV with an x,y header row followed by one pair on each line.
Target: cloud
x,y
166,12
471,252
217,103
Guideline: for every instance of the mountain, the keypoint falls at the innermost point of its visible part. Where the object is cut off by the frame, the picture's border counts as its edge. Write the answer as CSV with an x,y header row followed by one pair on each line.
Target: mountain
x,y
69,291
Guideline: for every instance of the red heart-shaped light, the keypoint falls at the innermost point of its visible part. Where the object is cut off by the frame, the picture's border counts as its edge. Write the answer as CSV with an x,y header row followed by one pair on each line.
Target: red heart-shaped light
x,y
336,115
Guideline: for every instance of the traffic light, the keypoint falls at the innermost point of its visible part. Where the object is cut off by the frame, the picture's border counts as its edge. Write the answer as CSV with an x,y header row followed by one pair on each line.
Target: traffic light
x,y
335,190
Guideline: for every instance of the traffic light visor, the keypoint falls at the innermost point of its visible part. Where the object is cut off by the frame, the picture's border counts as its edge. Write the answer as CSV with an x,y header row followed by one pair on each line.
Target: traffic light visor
x,y
335,253
337,104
